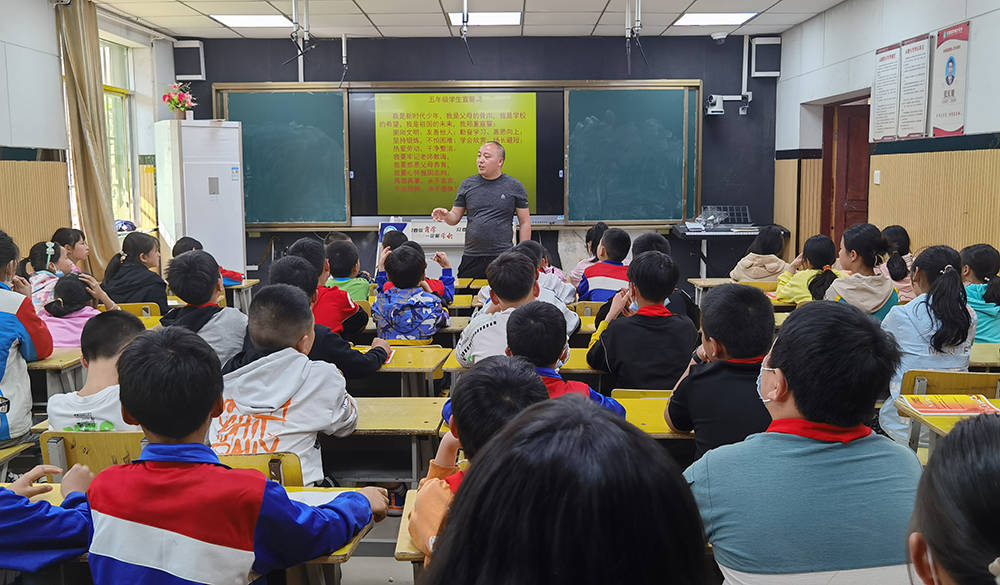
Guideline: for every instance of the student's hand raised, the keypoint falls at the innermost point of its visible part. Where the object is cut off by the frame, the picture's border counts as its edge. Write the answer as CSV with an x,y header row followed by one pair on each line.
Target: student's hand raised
x,y
381,259
23,486
20,286
442,259
77,479
621,300
95,290
798,263
379,500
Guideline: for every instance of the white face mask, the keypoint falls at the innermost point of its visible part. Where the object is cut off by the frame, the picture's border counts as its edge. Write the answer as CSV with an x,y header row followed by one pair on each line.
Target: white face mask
x,y
759,376
561,362
930,562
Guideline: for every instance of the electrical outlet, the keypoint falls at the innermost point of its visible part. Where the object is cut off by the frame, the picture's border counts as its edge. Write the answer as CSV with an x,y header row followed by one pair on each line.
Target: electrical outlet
x,y
878,177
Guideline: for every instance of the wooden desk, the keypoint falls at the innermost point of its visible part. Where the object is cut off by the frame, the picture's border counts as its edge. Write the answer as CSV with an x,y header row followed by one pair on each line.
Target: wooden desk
x,y
455,325
463,283
939,425
63,370
417,364
415,418
9,453
647,414
40,428
576,364
985,355
701,285
242,294
406,551
479,283
462,302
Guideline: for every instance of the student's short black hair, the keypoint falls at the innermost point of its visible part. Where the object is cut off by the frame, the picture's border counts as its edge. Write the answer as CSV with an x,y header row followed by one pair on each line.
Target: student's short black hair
x,y
532,249
192,276
537,332
106,334
332,237
511,276
310,249
185,244
654,274
405,267
741,317
280,314
393,239
343,255
770,240
650,241
295,271
414,245
836,360
616,242
169,380
487,396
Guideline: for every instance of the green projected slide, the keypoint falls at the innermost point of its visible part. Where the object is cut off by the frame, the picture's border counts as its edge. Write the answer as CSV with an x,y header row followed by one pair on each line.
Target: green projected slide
x,y
426,144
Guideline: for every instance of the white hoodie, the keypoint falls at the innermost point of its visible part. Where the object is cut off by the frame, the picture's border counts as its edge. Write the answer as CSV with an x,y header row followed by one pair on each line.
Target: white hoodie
x,y
280,402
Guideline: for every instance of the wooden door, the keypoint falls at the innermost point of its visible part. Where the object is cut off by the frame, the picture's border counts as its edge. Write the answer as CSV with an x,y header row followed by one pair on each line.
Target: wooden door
x,y
850,193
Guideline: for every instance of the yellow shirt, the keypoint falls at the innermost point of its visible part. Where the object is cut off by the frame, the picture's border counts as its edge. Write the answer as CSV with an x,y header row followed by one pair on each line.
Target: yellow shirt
x,y
794,288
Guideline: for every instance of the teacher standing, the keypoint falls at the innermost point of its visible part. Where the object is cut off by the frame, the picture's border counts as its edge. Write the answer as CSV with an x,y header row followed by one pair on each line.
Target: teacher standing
x,y
491,198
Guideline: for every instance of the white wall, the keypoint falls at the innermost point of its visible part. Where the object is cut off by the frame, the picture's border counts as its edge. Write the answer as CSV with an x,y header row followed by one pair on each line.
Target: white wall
x,y
832,56
32,112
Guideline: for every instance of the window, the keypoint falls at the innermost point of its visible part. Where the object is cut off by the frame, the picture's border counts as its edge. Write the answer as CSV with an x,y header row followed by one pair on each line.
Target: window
x,y
117,115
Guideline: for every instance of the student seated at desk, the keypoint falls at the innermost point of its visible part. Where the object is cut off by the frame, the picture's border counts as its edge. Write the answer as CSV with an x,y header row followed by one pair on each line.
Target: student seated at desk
x,y
187,243
444,287
129,277
535,332
234,520
897,266
74,244
96,407
194,277
861,249
75,302
651,348
762,264
513,282
34,535
409,310
717,398
280,400
328,346
818,497
48,262
810,274
563,291
980,265
934,331
592,239
345,266
553,296
954,537
601,281
483,400
333,307
24,338
570,495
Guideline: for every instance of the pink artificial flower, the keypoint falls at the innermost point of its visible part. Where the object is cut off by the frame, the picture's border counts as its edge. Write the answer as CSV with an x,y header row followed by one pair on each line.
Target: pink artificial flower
x,y
175,86
182,96
166,97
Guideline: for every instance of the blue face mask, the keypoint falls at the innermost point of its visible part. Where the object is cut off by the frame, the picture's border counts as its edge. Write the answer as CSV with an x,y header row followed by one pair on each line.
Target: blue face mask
x,y
760,394
635,306
59,273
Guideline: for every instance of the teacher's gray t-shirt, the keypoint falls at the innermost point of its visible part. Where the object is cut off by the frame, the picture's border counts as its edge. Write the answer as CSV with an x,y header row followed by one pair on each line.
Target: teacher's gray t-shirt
x,y
490,205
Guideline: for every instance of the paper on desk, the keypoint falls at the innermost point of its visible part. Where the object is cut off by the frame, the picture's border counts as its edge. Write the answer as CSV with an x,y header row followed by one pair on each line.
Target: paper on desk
x,y
392,352
313,498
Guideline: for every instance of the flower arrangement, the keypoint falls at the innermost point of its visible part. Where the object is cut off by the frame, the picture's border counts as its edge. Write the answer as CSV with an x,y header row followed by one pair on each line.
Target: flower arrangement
x,y
178,97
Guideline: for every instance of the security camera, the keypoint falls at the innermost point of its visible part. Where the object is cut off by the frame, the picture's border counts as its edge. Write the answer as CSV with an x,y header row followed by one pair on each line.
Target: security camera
x,y
719,37
714,105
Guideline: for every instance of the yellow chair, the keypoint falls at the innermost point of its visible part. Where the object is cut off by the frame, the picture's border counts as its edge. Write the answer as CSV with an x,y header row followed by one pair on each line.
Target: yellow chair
x,y
762,285
283,468
587,308
938,382
96,450
141,309
631,393
367,306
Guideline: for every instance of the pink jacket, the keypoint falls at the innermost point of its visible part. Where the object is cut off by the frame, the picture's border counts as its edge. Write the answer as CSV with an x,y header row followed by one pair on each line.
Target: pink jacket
x,y
66,330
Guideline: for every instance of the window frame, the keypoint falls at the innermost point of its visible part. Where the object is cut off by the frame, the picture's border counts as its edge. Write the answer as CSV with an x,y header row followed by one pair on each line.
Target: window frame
x,y
127,95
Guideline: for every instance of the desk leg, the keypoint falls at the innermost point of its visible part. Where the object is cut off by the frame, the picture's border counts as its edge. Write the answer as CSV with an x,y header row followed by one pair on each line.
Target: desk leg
x,y
931,445
418,570
704,254
915,427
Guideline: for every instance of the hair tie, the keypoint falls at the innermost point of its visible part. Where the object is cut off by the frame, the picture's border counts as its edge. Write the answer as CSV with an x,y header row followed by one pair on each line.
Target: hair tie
x,y
994,569
50,250
124,255
947,268
60,301
827,267
987,278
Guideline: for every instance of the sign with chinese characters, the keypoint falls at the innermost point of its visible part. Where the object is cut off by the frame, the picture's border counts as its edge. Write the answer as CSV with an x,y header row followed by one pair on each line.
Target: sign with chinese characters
x,y
950,65
885,94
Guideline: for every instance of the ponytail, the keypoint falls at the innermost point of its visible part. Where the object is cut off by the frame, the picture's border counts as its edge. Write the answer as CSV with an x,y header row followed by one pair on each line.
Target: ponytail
x,y
946,304
898,244
39,256
69,296
867,241
22,268
134,245
820,252
984,261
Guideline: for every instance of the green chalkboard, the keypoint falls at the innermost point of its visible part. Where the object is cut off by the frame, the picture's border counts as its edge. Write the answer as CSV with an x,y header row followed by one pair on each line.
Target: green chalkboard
x,y
627,152
293,155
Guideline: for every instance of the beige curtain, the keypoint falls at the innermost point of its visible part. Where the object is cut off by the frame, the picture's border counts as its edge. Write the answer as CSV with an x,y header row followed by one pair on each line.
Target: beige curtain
x,y
79,40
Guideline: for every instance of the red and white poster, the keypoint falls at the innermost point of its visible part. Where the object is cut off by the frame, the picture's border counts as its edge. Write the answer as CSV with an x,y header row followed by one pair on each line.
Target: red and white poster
x,y
951,53
885,94
913,87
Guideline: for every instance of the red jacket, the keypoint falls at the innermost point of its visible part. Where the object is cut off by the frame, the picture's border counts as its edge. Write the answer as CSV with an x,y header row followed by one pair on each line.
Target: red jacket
x,y
332,307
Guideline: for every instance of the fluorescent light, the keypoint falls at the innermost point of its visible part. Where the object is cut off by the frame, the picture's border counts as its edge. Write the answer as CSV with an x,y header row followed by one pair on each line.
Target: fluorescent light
x,y
714,18
253,20
487,18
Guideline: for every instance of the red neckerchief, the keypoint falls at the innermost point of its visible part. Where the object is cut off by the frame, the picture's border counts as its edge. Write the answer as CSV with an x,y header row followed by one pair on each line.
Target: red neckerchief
x,y
654,311
208,304
818,431
750,360
454,480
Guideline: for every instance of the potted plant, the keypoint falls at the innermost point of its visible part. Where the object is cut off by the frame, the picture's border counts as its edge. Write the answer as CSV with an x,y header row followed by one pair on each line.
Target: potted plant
x,y
180,101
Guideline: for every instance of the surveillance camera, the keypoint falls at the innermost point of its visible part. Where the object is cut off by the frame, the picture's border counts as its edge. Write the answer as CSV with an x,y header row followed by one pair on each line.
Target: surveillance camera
x,y
714,105
719,37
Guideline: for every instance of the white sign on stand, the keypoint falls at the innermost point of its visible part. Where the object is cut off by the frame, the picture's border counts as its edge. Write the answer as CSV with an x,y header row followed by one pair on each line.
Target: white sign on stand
x,y
433,236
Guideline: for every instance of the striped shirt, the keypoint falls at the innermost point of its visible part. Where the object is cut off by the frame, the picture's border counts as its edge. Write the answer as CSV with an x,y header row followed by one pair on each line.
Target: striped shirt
x,y
601,281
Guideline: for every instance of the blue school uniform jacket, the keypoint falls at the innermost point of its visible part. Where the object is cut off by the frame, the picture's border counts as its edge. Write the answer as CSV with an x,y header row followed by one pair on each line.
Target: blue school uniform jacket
x,y
23,338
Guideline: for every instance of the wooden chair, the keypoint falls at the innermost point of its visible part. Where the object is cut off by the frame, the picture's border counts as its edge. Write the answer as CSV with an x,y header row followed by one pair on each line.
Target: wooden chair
x,y
938,382
97,450
283,468
141,309
587,308
766,286
631,393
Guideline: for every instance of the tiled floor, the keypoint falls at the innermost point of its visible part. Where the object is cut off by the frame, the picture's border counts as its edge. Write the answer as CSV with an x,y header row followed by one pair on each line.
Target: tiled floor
x,y
363,570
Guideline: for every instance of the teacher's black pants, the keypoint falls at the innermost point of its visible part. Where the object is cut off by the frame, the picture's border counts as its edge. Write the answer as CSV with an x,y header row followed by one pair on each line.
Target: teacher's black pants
x,y
474,266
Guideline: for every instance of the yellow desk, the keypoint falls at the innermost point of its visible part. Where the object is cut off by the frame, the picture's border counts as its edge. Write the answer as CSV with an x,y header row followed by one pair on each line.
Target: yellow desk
x,y
151,322
939,425
701,285
779,319
463,283
985,355
479,283
9,453
40,427
576,364
462,302
455,325
63,370
242,295
406,551
587,326
417,364
417,419
647,414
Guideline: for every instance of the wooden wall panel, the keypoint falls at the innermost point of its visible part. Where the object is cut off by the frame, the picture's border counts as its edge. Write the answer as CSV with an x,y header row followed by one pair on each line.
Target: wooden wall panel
x,y
147,197
786,191
940,198
34,200
810,199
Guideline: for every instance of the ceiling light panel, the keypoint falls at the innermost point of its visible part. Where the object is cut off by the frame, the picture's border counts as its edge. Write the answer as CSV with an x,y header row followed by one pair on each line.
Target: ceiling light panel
x,y
487,18
253,20
714,18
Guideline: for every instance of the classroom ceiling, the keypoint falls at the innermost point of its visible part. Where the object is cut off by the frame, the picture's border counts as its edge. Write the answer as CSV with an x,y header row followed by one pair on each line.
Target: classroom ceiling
x,y
428,18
